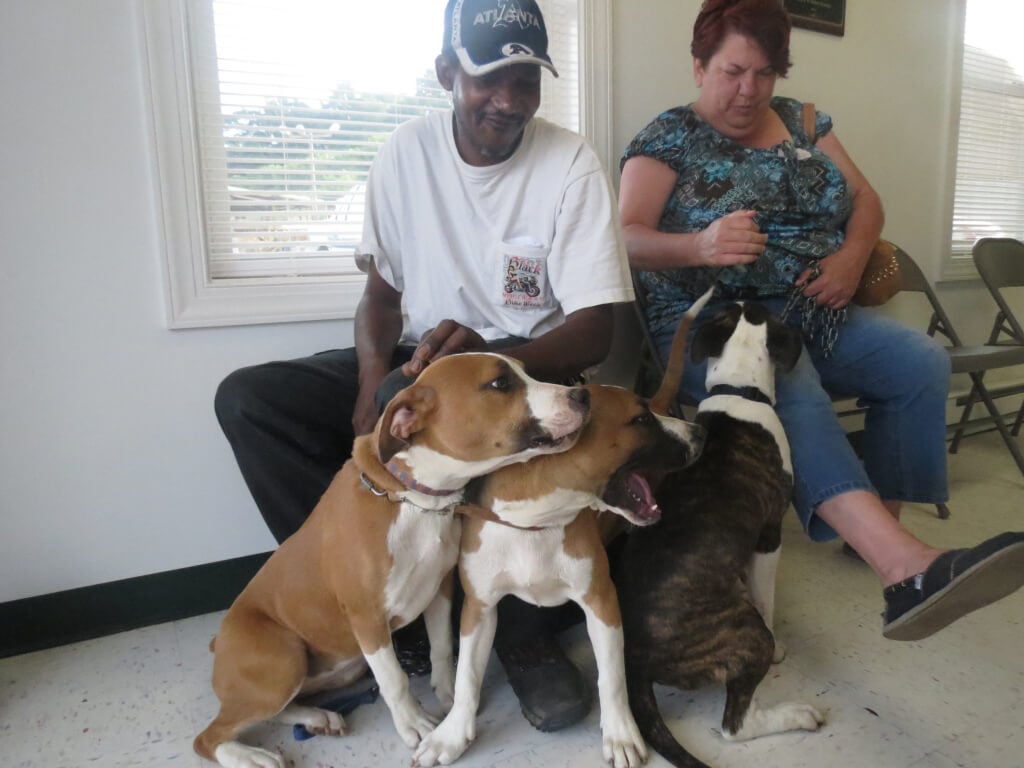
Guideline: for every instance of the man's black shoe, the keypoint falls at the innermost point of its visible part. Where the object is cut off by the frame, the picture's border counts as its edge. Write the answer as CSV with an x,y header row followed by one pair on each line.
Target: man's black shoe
x,y
413,649
958,582
551,690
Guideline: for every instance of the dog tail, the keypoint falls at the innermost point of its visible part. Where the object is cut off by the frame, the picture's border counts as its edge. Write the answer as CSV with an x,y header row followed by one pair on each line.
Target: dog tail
x,y
677,358
652,724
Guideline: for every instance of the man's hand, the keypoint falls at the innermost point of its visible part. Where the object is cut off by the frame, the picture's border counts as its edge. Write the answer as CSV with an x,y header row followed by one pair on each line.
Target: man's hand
x,y
446,338
364,414
732,239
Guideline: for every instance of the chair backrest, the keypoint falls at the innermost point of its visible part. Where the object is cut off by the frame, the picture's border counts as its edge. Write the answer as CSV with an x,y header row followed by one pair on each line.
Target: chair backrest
x,y
915,281
1000,262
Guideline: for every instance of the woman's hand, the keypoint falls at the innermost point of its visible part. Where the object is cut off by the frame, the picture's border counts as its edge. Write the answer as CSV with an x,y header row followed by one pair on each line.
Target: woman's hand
x,y
446,338
840,275
732,239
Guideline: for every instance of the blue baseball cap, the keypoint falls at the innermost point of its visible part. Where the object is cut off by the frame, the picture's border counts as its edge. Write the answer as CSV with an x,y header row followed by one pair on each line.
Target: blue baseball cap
x,y
486,35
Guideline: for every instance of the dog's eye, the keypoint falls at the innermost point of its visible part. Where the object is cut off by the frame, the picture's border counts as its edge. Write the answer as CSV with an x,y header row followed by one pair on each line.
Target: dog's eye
x,y
503,383
644,419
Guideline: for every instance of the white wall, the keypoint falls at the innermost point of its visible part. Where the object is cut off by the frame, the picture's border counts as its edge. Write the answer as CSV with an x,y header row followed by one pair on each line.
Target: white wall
x,y
111,461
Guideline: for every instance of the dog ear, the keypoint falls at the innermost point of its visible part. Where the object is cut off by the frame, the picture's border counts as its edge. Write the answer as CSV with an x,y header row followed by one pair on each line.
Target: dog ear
x,y
784,344
405,415
710,338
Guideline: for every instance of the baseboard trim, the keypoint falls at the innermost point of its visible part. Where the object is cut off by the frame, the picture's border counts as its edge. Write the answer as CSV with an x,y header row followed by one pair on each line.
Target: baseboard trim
x,y
65,617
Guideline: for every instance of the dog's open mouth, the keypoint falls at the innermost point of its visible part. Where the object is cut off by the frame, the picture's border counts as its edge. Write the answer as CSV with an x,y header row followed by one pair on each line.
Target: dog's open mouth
x,y
629,494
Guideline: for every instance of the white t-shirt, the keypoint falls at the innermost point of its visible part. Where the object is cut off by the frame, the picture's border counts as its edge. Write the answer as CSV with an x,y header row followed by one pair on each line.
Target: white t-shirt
x,y
507,249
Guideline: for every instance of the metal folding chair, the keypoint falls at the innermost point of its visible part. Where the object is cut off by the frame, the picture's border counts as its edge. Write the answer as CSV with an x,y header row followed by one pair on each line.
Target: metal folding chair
x,y
971,360
1000,262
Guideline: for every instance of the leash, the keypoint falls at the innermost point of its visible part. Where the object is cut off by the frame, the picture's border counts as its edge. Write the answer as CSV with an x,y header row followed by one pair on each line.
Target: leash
x,y
815,321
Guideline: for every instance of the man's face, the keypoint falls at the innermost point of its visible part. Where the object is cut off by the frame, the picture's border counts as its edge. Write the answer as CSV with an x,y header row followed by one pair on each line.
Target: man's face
x,y
490,111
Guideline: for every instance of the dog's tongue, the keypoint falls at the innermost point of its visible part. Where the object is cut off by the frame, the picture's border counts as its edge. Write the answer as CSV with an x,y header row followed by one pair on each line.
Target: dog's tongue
x,y
643,500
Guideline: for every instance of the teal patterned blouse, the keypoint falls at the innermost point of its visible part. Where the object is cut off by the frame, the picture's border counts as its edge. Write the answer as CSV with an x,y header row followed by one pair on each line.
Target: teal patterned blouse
x,y
801,198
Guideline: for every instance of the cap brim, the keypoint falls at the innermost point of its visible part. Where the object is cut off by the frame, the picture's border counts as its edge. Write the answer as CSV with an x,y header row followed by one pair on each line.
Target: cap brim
x,y
482,69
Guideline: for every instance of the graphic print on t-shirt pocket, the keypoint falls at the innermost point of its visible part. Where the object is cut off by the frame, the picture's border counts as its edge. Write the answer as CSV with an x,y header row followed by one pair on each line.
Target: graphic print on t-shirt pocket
x,y
524,277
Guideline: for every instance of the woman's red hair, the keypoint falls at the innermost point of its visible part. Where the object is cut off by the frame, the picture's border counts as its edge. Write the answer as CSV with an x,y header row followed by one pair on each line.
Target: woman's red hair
x,y
766,22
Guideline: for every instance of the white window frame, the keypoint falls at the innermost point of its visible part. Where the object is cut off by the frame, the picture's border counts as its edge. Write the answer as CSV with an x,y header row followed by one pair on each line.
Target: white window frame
x,y
959,262
193,299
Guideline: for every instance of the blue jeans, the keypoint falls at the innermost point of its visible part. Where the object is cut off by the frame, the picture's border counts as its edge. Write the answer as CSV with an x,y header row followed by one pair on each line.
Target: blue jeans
x,y
899,374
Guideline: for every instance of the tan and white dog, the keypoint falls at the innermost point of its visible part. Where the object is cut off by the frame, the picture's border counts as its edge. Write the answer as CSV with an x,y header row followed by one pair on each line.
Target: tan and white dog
x,y
535,535
378,550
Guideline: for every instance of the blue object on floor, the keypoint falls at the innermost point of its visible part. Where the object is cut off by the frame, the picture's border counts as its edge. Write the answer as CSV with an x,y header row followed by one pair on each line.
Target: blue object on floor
x,y
342,705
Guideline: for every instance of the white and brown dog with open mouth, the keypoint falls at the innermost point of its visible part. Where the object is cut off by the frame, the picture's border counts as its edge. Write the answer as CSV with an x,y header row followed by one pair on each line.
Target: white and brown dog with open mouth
x,y
378,550
533,533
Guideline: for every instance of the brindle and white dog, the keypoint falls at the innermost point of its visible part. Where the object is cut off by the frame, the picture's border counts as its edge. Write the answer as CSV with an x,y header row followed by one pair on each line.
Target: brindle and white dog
x,y
697,590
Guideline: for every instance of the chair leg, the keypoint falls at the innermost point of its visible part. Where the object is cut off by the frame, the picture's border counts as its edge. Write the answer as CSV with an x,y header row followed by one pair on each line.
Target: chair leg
x,y
1011,443
1018,421
965,415
942,511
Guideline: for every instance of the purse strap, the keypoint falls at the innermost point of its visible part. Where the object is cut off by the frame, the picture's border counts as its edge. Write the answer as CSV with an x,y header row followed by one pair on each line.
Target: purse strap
x,y
809,121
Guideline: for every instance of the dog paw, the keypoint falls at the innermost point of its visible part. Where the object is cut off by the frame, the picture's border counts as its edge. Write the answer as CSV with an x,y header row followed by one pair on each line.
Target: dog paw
x,y
802,717
780,652
240,755
412,723
790,716
625,753
323,722
446,744
622,744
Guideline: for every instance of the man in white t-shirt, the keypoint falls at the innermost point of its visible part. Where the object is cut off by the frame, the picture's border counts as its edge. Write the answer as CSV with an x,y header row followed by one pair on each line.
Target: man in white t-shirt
x,y
494,230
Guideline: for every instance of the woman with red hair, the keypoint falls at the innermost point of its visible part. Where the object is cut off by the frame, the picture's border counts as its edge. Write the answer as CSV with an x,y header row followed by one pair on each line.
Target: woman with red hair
x,y
732,190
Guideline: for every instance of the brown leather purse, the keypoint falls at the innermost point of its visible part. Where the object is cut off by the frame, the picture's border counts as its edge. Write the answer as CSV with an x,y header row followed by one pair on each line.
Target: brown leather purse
x,y
881,278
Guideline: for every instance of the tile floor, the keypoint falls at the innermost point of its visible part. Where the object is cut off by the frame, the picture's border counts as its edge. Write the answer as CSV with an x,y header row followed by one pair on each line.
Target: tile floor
x,y
957,699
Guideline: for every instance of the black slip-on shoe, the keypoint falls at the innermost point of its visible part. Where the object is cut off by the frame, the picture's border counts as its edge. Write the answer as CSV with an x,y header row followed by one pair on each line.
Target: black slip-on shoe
x,y
958,582
551,690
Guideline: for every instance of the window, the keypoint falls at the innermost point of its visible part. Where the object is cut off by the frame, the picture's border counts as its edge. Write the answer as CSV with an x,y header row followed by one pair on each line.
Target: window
x,y
268,115
989,192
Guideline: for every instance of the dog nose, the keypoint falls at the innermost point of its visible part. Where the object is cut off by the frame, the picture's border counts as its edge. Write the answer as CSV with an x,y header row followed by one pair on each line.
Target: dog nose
x,y
579,399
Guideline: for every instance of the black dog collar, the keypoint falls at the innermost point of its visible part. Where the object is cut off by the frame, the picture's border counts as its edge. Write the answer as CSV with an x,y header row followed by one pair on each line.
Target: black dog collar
x,y
747,393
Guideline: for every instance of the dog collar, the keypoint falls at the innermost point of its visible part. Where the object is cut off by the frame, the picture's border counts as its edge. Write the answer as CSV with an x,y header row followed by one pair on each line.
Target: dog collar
x,y
402,475
747,393
485,514
398,497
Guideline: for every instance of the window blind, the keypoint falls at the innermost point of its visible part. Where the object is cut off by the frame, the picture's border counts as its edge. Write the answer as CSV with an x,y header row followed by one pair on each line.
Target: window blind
x,y
292,100
989,195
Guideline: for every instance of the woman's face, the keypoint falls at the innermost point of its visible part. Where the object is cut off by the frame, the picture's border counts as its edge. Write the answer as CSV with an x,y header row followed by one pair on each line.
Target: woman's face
x,y
736,86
